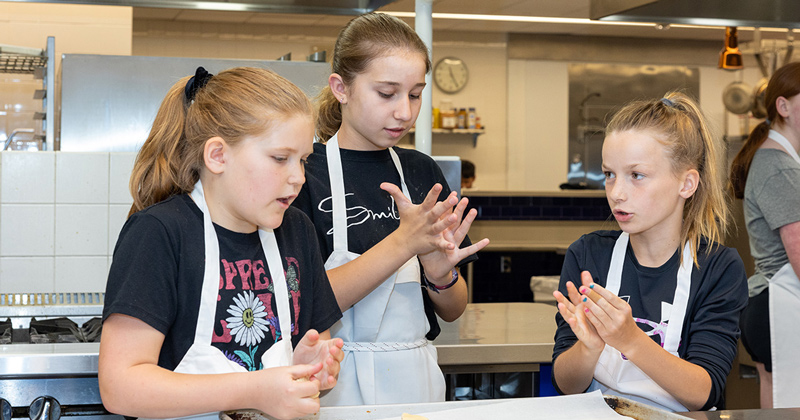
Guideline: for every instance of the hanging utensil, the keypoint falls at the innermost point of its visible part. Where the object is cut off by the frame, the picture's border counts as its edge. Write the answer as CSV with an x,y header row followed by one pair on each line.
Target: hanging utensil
x,y
738,97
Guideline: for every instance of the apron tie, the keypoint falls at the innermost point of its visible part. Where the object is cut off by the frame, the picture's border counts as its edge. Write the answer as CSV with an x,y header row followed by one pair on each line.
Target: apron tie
x,y
383,346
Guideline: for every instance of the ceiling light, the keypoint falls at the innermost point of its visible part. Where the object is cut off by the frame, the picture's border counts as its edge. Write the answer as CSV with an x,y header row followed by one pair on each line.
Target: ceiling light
x,y
700,24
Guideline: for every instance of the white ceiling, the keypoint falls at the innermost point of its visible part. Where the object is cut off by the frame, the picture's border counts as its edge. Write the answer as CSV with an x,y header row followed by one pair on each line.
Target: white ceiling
x,y
541,8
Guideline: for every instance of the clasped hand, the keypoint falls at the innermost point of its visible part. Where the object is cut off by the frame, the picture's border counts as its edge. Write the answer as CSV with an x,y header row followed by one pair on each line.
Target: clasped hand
x,y
312,350
597,316
434,230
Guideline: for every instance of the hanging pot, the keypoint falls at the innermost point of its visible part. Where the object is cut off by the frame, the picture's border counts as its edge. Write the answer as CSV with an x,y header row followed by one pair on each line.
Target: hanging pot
x,y
759,108
738,97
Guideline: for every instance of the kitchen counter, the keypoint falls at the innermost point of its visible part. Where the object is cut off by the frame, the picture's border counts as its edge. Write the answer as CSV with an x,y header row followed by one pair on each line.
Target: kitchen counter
x,y
498,337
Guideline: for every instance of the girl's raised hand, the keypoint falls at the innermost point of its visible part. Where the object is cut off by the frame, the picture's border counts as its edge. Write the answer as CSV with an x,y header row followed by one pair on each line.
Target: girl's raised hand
x,y
574,312
286,392
421,225
313,349
439,262
610,315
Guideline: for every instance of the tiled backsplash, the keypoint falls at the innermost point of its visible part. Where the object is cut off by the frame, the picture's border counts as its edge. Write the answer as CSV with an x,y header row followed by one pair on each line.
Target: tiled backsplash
x,y
557,208
60,214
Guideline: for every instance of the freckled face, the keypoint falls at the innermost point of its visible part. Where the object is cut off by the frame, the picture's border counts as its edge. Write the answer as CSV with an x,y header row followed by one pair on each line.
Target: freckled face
x,y
383,102
263,175
641,186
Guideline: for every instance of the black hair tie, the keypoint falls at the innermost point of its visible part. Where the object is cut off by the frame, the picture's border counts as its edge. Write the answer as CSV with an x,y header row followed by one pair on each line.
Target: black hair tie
x,y
200,78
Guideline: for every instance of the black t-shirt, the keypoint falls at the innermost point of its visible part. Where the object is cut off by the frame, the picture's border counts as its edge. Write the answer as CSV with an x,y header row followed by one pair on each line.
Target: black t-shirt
x,y
157,273
371,212
717,296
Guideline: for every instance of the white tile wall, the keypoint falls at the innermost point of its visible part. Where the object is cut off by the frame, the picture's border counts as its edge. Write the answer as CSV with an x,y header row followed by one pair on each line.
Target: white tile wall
x,y
81,274
120,166
26,230
26,274
117,215
82,178
81,229
27,177
60,216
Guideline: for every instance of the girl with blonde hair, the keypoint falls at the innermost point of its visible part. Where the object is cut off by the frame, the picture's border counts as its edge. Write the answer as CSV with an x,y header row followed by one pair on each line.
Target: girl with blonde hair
x,y
217,298
651,312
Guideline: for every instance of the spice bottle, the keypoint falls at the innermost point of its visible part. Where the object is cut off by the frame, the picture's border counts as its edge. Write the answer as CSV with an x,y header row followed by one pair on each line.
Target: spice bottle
x,y
471,119
462,118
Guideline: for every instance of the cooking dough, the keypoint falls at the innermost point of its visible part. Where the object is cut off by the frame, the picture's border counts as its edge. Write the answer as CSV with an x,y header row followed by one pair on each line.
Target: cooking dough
x,y
305,379
407,416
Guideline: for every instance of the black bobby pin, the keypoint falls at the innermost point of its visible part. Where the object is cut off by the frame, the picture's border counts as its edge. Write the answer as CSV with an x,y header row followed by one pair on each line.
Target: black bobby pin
x,y
200,78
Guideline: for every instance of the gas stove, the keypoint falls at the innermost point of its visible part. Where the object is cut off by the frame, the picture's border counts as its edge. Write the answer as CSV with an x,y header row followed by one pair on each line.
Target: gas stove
x,y
49,344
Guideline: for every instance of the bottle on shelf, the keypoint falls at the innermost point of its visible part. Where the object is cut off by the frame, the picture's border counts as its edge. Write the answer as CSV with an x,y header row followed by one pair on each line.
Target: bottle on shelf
x,y
462,118
471,119
437,119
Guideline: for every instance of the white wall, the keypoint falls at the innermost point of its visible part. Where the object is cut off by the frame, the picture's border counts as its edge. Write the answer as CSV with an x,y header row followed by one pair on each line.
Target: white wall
x,y
538,126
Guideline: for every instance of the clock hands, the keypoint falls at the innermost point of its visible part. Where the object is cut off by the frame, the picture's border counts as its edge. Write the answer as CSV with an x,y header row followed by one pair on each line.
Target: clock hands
x,y
452,76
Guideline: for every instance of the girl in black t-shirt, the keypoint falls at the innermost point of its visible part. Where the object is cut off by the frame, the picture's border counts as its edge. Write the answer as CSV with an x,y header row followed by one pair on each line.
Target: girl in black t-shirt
x,y
385,218
650,313
215,301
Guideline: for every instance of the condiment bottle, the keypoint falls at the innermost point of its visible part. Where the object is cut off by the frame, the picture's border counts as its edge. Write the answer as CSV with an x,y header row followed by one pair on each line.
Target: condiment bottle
x,y
462,118
471,119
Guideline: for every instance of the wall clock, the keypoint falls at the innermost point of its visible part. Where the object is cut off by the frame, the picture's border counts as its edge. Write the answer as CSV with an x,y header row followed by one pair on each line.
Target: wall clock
x,y
450,74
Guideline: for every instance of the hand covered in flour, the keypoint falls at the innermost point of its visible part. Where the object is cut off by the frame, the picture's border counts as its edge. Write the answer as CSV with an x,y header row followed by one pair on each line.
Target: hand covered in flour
x,y
439,262
317,348
422,225
573,309
610,315
285,392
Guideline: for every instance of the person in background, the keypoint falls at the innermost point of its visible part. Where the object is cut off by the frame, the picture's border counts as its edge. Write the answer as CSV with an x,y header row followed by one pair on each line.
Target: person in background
x,y
467,174
766,175
391,247
651,312
217,298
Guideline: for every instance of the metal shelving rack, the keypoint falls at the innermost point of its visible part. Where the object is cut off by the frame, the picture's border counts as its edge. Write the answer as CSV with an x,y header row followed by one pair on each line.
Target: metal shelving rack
x,y
21,61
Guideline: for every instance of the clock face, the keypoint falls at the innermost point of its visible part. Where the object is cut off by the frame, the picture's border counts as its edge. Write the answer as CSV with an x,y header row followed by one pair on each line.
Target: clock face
x,y
450,74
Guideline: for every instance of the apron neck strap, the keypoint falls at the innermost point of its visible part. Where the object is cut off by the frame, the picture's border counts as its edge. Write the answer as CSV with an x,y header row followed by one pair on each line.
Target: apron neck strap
x,y
784,142
338,201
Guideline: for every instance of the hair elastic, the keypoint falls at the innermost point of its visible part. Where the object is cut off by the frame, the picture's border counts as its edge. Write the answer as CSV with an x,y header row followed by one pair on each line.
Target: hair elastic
x,y
668,102
768,121
200,78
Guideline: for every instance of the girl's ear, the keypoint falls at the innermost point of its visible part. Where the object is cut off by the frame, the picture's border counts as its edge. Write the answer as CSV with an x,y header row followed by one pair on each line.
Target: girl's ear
x,y
691,180
782,108
214,154
338,87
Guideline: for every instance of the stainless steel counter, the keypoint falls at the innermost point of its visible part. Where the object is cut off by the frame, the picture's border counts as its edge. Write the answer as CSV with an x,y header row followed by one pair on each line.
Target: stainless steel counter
x,y
498,337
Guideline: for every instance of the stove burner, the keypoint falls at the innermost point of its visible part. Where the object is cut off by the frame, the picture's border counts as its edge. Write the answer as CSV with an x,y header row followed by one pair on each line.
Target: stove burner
x,y
6,330
63,330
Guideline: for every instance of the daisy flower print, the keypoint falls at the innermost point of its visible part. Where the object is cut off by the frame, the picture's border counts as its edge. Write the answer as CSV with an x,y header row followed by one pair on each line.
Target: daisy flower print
x,y
248,321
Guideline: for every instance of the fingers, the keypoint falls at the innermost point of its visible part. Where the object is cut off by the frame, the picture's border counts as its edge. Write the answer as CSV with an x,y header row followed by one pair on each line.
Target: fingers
x,y
305,371
399,198
310,338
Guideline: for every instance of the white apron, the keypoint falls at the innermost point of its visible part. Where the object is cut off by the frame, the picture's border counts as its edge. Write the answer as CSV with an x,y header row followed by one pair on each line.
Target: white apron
x,y
387,358
784,310
617,376
202,357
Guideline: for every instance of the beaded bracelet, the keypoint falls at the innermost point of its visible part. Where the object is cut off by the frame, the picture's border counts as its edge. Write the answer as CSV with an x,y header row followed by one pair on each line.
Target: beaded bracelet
x,y
436,288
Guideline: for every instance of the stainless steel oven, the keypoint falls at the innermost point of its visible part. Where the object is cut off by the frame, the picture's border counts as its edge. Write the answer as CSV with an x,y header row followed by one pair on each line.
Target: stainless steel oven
x,y
49,345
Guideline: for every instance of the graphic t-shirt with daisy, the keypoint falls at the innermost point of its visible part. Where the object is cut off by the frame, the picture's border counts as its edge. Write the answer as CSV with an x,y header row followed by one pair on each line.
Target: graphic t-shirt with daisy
x,y
157,275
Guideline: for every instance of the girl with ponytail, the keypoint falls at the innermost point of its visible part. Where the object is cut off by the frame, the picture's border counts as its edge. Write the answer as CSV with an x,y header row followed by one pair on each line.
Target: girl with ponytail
x,y
651,312
217,297
766,175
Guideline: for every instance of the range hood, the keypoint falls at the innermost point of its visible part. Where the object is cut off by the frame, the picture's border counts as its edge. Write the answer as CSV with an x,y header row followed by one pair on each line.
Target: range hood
x,y
319,7
761,13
